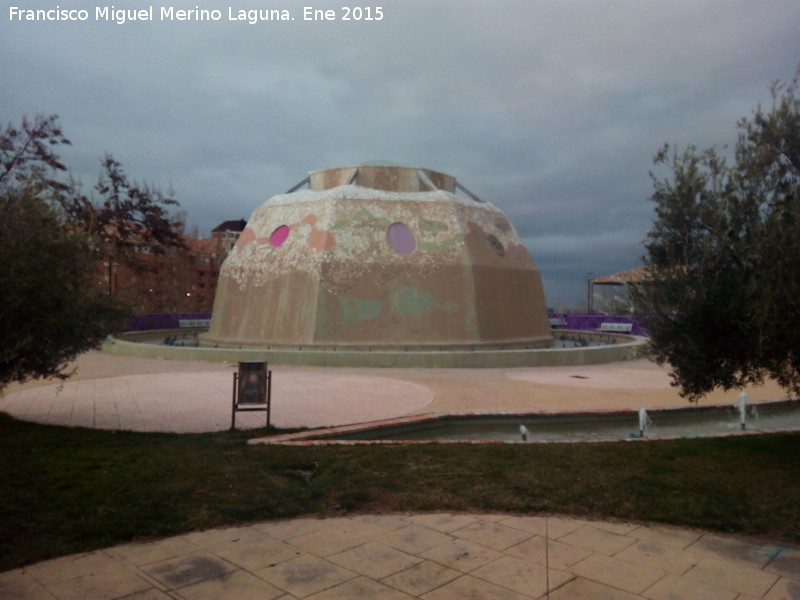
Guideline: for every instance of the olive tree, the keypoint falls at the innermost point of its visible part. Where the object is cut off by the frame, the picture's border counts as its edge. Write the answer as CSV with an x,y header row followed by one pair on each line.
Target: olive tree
x,y
723,297
51,308
53,242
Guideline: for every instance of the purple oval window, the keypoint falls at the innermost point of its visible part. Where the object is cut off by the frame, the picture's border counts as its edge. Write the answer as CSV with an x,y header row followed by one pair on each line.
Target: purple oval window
x,y
401,238
279,236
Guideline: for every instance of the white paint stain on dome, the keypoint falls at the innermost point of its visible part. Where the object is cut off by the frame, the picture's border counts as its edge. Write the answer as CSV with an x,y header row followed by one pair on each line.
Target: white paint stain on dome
x,y
349,225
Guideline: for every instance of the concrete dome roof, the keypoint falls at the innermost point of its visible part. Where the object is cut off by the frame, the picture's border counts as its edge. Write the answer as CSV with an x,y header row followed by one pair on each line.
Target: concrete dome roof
x,y
379,256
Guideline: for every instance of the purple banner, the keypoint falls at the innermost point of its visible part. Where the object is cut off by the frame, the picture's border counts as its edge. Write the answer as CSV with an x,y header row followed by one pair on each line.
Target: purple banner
x,y
147,322
586,322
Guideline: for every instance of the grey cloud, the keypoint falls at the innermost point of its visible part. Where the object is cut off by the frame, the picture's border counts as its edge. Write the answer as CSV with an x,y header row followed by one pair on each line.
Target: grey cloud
x,y
550,110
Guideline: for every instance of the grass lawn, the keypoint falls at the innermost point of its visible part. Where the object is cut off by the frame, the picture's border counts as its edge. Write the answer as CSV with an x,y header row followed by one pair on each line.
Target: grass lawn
x,y
65,490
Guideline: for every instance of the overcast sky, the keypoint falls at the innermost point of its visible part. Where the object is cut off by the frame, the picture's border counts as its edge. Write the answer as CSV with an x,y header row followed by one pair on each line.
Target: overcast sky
x,y
550,110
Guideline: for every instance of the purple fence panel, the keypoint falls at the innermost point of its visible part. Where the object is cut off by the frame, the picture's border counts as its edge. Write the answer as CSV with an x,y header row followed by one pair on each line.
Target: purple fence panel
x,y
586,322
150,321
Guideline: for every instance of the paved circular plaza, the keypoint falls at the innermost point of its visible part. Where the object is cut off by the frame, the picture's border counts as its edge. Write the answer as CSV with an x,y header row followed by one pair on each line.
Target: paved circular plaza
x,y
142,394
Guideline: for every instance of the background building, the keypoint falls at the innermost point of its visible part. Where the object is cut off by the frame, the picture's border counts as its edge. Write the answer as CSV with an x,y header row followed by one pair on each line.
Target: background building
x,y
178,280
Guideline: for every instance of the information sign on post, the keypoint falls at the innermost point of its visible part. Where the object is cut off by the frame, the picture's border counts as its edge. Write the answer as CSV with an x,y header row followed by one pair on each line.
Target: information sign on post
x,y
252,390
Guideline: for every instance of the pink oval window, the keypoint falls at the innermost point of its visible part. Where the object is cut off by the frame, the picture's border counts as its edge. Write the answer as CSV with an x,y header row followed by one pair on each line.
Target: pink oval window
x,y
279,236
401,238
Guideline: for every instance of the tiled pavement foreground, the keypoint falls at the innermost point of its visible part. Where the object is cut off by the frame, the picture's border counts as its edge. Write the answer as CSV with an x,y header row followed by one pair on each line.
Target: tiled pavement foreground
x,y
428,556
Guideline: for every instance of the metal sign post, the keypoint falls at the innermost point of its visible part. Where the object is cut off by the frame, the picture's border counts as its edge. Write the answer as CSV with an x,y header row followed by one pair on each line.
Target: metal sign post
x,y
252,390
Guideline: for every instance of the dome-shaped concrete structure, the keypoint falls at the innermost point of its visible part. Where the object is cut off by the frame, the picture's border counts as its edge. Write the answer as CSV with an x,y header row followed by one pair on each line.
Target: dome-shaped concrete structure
x,y
379,257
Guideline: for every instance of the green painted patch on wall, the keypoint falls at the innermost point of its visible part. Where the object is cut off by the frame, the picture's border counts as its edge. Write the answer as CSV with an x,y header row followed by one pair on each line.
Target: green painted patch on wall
x,y
432,226
360,217
407,299
358,309
439,247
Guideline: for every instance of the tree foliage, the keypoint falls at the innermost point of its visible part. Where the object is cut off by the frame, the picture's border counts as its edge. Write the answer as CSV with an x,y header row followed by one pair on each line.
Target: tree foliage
x,y
126,218
122,216
27,154
724,257
50,307
54,240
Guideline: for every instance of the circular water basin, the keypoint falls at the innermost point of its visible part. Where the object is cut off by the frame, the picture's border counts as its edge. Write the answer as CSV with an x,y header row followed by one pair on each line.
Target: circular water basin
x,y
569,427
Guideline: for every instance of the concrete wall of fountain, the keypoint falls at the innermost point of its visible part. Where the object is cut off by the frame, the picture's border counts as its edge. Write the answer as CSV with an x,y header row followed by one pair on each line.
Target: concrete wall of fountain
x,y
147,345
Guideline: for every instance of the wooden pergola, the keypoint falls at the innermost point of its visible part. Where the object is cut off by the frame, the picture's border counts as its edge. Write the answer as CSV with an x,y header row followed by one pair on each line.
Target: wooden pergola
x,y
635,275
622,278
